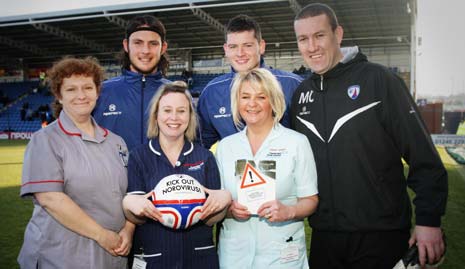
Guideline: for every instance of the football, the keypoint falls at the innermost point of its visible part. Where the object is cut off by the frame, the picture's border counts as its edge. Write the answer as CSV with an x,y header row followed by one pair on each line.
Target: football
x,y
179,198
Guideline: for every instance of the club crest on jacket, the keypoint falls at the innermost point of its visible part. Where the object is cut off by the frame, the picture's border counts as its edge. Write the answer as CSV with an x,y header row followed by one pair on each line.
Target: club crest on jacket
x,y
353,91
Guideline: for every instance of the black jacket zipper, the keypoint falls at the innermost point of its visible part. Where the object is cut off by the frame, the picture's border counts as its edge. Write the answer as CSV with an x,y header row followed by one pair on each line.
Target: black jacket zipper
x,y
326,136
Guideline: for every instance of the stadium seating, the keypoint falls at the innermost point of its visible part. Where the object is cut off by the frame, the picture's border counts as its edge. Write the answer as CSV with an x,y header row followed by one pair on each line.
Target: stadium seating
x,y
199,82
13,90
22,92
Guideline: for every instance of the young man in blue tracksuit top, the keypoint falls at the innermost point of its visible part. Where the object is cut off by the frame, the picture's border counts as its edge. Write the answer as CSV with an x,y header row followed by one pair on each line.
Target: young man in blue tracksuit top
x,y
244,47
124,100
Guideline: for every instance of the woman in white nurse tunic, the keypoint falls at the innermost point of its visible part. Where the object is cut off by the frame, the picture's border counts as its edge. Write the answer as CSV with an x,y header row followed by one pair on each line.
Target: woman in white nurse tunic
x,y
264,153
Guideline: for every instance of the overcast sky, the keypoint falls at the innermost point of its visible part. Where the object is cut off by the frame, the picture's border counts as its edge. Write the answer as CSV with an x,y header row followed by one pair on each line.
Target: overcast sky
x,y
441,53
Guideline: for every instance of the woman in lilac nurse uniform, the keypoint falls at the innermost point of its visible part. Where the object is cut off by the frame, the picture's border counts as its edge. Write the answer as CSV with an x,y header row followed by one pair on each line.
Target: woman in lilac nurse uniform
x,y
75,173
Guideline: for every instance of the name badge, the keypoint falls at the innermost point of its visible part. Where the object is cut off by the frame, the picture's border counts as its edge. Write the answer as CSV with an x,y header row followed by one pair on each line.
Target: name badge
x,y
289,253
139,263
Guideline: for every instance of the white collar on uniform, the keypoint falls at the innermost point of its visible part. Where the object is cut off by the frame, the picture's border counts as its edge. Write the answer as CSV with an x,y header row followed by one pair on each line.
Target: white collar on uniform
x,y
155,148
275,130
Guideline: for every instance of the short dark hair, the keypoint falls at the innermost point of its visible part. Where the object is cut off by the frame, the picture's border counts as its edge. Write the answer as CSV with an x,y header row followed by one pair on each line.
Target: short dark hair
x,y
241,23
65,68
152,24
316,9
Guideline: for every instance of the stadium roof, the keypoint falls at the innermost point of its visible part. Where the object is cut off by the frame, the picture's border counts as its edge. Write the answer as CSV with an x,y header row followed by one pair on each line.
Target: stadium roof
x,y
36,40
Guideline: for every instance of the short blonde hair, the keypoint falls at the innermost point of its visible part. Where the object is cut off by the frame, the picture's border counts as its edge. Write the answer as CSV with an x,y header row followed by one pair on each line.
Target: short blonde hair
x,y
264,80
174,87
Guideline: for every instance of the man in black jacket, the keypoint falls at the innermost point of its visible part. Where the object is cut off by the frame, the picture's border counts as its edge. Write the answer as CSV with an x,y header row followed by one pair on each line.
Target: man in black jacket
x,y
361,122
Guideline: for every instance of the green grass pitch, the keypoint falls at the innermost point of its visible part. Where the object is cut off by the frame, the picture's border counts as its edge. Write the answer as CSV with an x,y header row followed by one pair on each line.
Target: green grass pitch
x,y
15,212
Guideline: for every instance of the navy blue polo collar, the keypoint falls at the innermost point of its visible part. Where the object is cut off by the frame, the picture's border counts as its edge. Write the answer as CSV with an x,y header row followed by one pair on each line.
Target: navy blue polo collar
x,y
154,145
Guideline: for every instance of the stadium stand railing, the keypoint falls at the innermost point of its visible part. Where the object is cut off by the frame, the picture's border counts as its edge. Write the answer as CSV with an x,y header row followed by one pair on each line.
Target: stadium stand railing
x,y
23,92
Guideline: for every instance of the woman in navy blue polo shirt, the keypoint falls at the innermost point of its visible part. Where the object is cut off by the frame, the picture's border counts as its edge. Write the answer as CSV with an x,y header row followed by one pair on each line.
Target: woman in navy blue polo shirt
x,y
172,127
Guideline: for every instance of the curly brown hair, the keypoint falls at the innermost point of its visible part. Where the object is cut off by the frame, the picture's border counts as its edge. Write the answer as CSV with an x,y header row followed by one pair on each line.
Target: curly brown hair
x,y
65,68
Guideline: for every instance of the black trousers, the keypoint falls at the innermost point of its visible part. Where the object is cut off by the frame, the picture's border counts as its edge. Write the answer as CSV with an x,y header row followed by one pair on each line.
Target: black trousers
x,y
357,250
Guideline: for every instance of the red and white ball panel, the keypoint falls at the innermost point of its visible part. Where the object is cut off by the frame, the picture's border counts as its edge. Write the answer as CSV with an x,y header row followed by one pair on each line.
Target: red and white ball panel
x,y
179,198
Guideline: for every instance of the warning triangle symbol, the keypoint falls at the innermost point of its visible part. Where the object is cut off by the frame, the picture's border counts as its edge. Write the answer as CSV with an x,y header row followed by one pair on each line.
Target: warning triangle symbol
x,y
251,177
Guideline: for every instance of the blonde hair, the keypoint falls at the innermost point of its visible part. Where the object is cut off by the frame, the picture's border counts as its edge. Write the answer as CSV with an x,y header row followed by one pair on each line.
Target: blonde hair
x,y
259,78
174,87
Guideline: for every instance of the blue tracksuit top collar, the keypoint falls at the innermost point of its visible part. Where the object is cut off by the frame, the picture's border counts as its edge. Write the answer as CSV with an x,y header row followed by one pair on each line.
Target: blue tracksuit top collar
x,y
132,77
262,65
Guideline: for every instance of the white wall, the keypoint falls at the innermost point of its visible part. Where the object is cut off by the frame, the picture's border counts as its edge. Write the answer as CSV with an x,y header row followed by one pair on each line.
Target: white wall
x,y
440,47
